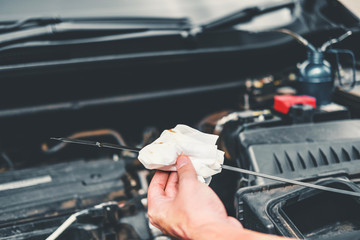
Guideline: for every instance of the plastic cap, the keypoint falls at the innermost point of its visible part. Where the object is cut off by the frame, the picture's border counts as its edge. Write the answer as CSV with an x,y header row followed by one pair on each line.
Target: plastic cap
x,y
282,103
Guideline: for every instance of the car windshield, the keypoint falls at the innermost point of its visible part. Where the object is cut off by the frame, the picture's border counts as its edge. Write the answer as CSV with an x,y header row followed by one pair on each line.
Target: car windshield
x,y
199,11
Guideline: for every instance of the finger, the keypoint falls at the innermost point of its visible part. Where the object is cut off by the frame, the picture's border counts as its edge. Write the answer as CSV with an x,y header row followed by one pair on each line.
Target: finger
x,y
185,169
172,185
158,184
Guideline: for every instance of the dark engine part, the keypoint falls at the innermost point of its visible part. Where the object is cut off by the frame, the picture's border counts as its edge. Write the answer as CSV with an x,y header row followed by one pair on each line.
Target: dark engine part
x,y
36,201
301,212
304,150
328,153
350,99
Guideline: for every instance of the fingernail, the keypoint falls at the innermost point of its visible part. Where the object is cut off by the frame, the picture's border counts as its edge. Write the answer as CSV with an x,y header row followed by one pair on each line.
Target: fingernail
x,y
181,161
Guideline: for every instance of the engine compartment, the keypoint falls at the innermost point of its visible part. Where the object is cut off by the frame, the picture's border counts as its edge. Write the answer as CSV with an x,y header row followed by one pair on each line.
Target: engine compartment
x,y
224,83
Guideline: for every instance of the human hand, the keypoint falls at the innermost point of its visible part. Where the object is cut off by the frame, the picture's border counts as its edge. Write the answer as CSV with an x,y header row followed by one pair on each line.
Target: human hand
x,y
180,205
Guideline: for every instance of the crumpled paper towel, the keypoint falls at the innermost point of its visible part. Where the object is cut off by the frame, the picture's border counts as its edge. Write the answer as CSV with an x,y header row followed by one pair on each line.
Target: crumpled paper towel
x,y
199,147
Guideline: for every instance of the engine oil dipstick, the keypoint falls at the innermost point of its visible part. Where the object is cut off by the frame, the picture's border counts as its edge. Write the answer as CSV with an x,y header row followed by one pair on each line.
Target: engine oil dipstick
x,y
230,168
97,144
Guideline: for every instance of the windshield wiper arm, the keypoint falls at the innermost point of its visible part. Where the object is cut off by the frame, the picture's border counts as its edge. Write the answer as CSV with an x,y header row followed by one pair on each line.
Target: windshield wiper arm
x,y
41,27
244,15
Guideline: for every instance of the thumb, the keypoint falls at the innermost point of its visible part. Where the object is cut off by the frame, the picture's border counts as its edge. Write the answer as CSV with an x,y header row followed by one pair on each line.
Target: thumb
x,y
185,169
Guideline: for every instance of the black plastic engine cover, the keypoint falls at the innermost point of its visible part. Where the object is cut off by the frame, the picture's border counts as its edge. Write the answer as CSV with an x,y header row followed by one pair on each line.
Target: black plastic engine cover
x,y
300,212
59,189
304,150
325,153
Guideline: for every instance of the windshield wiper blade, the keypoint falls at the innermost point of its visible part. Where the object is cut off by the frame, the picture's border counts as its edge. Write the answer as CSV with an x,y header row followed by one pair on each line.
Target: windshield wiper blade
x,y
27,22
141,22
245,15
103,28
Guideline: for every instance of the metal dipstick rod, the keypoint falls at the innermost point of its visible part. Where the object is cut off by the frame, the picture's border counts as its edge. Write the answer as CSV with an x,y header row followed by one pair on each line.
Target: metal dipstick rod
x,y
280,179
226,167
97,144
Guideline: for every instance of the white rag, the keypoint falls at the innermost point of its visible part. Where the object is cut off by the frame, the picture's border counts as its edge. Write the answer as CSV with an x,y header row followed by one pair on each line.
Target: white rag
x,y
199,147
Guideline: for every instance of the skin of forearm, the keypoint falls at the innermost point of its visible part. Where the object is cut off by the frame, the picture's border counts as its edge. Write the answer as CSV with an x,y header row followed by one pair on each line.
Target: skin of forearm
x,y
225,231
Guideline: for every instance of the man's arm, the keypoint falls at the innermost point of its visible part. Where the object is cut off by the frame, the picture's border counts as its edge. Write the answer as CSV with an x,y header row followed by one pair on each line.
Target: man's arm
x,y
181,206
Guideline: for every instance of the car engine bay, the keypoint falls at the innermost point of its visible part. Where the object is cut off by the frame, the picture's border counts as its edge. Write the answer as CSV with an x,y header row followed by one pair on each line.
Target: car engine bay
x,y
127,88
